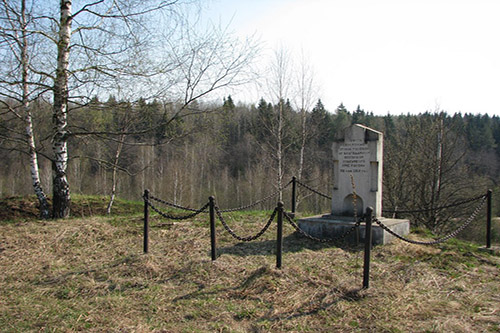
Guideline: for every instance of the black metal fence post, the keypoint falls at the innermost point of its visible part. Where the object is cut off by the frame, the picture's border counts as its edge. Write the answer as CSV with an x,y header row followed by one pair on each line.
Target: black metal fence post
x,y
488,219
368,247
279,240
294,193
211,205
146,221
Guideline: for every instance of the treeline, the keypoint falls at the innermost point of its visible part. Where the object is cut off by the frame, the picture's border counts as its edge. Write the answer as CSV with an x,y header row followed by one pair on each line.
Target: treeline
x,y
240,152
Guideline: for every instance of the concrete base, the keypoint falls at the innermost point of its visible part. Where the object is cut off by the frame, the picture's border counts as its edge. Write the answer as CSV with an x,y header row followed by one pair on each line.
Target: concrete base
x,y
329,226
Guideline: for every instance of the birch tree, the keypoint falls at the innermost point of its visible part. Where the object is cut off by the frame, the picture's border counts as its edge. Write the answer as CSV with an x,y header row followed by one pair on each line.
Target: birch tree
x,y
278,85
127,47
18,86
107,40
306,96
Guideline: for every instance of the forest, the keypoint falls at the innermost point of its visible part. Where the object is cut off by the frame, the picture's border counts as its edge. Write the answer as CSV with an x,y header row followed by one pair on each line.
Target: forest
x,y
112,98
230,150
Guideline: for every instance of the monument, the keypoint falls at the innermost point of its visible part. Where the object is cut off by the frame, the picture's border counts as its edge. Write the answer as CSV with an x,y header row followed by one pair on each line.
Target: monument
x,y
357,176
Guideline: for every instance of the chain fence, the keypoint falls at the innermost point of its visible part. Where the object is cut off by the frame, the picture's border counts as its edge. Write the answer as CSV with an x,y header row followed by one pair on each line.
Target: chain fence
x,y
441,239
153,198
257,202
290,216
456,204
313,190
278,211
176,217
249,238
172,204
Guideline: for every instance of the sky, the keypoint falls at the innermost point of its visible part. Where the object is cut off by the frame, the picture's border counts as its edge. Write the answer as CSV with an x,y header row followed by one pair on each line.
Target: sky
x,y
388,56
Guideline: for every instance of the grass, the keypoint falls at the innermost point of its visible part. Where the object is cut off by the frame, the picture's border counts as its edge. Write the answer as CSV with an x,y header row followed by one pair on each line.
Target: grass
x,y
16,208
89,274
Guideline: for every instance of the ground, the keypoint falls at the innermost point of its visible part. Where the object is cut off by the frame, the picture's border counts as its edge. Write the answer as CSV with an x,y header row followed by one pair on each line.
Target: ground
x,y
89,274
26,207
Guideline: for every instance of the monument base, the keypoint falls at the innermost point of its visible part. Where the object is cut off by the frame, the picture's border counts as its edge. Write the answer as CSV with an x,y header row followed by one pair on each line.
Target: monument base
x,y
329,226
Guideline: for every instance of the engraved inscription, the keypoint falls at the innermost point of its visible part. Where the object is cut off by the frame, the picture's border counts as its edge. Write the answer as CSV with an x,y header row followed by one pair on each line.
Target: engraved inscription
x,y
354,158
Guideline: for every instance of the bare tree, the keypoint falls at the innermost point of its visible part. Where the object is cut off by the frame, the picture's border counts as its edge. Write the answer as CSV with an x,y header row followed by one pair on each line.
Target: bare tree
x,y
18,87
278,84
424,168
306,97
126,47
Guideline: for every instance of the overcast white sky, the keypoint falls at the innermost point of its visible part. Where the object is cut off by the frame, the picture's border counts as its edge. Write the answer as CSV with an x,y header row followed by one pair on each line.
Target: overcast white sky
x,y
393,56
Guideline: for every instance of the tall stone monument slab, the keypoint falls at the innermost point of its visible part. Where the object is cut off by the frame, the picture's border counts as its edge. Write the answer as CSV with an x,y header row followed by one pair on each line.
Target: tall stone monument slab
x,y
358,162
357,170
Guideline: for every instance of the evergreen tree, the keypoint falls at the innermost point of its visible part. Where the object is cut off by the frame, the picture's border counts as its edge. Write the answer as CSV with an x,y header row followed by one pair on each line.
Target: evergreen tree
x,y
321,123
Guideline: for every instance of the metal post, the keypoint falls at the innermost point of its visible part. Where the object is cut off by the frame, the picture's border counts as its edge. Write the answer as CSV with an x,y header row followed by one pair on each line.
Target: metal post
x,y
368,247
211,205
146,221
279,240
488,219
294,193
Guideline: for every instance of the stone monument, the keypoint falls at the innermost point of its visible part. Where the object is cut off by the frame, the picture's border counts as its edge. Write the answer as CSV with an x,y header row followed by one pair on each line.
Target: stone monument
x,y
357,173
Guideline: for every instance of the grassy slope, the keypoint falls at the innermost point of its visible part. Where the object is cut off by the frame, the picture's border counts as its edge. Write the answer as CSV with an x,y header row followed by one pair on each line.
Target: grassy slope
x,y
89,274
26,207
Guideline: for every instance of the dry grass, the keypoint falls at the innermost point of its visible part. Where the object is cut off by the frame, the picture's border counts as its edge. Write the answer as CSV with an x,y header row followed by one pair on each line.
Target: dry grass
x,y
90,275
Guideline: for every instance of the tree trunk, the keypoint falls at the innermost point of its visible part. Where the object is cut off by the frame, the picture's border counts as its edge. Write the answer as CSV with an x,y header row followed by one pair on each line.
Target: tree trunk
x,y
115,171
30,136
35,173
303,116
61,195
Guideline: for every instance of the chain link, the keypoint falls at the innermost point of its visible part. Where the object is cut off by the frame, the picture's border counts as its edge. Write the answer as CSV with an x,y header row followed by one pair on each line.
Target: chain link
x,y
174,217
257,202
313,190
436,208
321,240
439,240
244,239
171,204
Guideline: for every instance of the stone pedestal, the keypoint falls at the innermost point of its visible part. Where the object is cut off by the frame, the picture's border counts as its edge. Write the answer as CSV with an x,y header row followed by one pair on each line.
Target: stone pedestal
x,y
330,226
357,173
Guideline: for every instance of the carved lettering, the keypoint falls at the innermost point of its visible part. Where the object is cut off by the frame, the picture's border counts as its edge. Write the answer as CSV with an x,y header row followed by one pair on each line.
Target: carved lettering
x,y
354,157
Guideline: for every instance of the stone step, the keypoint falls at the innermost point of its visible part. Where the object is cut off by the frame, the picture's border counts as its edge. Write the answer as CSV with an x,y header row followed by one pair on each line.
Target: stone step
x,y
329,226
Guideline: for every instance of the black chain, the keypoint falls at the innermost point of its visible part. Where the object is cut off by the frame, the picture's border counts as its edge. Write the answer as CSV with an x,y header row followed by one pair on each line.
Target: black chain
x,y
245,239
173,217
314,191
257,202
171,204
223,210
439,240
436,208
321,240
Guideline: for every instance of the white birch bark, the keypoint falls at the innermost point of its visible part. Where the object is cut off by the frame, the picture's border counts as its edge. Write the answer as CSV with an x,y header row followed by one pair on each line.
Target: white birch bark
x,y
30,136
115,174
61,194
